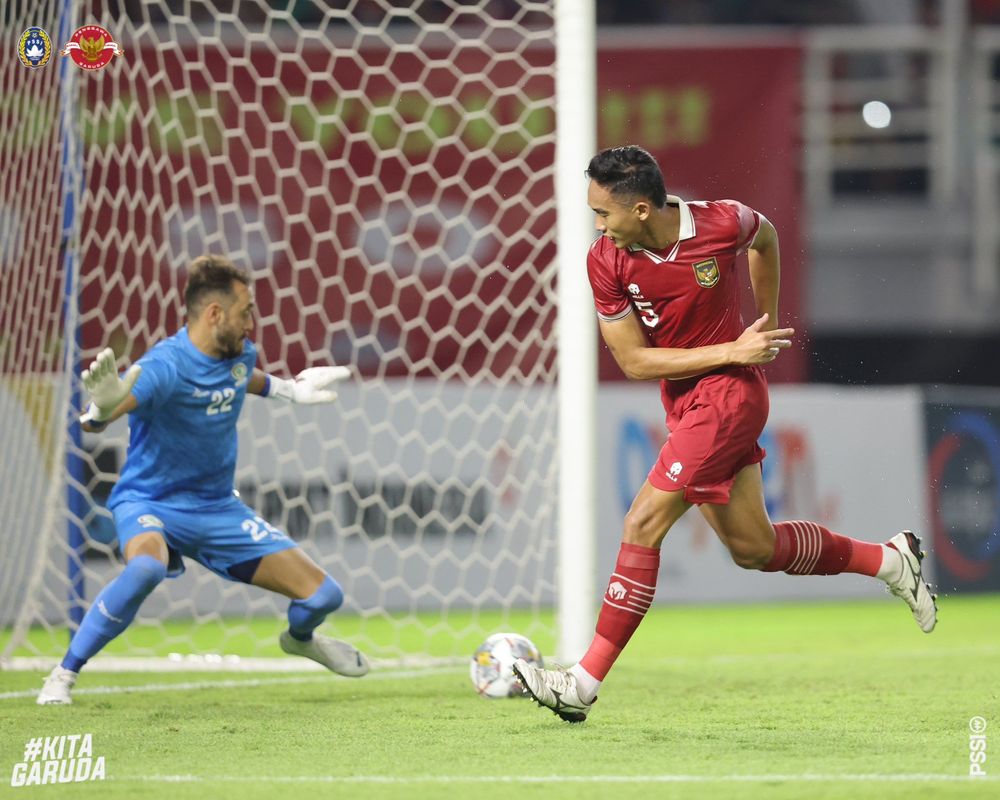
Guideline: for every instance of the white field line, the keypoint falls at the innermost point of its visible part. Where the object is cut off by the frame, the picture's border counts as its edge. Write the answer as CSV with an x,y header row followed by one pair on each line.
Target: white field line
x,y
543,779
215,662
439,670
236,664
230,684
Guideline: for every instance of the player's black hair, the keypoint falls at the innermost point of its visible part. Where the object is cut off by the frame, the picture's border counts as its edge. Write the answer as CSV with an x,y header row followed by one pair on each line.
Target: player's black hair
x,y
207,275
629,173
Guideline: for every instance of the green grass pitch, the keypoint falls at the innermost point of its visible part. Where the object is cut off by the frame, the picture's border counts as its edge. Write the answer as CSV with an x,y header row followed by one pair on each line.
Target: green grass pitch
x,y
831,700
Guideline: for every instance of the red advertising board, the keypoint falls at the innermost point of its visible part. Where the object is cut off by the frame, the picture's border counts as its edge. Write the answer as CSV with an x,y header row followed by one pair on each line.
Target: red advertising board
x,y
724,123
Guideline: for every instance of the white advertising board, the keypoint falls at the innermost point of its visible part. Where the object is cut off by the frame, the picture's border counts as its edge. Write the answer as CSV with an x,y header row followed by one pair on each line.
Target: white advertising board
x,y
848,458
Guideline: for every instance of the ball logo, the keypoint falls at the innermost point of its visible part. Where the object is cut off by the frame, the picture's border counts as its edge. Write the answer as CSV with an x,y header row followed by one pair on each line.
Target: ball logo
x,y
34,48
91,47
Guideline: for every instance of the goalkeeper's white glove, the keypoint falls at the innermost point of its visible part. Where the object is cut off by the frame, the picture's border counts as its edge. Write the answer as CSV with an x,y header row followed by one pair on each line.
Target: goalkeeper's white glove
x,y
105,387
310,385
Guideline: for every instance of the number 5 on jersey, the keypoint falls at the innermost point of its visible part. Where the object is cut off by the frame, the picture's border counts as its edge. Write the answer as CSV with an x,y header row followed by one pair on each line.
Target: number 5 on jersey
x,y
648,316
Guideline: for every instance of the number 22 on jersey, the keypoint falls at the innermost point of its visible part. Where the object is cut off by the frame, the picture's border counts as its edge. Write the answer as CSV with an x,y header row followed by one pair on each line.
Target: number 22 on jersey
x,y
221,403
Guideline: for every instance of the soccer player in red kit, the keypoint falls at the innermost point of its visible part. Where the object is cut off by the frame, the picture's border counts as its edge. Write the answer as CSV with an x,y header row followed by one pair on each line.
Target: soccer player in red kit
x,y
667,292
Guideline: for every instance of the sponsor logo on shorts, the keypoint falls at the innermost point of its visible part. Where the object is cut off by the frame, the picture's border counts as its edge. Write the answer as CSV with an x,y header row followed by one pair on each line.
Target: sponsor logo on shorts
x,y
674,471
150,521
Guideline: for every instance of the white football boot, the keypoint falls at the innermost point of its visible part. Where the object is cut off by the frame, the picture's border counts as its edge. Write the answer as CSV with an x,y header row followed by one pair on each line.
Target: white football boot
x,y
56,689
554,689
335,655
909,583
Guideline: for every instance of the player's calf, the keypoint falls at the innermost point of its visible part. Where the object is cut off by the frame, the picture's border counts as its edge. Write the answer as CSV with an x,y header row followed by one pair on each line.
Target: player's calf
x,y
113,609
304,616
751,555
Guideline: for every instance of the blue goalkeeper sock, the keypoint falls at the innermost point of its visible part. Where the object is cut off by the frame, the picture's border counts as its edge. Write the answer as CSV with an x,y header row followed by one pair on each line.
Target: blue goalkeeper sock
x,y
113,609
304,616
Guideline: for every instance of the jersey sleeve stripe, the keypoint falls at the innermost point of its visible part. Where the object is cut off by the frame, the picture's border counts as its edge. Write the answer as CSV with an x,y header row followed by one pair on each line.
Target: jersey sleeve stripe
x,y
615,317
753,234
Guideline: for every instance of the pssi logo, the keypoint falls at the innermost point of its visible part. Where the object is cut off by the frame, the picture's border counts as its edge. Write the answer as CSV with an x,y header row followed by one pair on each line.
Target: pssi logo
x,y
34,48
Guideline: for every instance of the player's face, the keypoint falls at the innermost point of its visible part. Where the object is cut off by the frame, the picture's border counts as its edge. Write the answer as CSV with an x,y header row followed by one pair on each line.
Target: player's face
x,y
236,322
621,222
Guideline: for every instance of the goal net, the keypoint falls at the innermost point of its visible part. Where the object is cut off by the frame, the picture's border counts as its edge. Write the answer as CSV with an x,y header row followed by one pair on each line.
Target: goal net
x,y
385,170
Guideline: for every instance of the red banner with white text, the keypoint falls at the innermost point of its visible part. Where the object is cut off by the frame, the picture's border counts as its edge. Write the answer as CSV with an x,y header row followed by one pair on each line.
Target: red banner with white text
x,y
375,205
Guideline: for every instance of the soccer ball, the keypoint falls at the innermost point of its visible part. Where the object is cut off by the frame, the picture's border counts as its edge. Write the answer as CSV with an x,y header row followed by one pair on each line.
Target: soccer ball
x,y
492,663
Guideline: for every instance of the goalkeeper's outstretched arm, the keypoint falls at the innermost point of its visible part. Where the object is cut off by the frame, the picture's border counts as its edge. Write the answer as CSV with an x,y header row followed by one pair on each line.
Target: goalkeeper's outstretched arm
x,y
110,393
310,386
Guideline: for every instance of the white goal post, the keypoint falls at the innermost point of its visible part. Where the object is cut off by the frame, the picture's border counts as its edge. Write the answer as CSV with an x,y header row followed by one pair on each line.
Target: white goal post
x,y
392,174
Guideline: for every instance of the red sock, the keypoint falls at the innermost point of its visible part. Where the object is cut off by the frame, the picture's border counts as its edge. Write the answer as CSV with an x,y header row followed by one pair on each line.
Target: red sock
x,y
629,595
807,548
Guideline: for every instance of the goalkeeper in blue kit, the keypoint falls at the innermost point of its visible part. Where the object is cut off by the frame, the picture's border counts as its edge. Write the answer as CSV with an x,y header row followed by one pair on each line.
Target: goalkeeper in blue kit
x,y
175,495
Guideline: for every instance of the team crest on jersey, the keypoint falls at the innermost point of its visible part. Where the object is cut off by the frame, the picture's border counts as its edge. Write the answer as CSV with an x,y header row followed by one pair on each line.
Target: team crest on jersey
x,y
707,272
239,373
91,47
34,48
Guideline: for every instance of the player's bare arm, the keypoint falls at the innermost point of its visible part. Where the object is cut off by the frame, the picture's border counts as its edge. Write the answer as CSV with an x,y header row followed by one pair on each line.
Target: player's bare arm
x,y
640,362
765,271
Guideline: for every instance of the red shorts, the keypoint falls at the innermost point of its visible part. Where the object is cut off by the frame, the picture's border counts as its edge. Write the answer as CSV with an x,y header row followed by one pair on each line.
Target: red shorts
x,y
714,423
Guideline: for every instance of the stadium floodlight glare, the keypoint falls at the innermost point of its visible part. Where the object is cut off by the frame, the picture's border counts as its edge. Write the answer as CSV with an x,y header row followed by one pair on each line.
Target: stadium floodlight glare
x,y
876,114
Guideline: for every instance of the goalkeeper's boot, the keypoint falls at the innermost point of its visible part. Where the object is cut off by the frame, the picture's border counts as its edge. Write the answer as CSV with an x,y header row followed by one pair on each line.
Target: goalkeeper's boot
x,y
909,583
554,689
56,689
335,655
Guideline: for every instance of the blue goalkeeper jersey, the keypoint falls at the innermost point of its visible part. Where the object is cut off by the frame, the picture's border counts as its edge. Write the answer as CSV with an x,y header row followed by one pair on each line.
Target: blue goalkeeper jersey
x,y
182,439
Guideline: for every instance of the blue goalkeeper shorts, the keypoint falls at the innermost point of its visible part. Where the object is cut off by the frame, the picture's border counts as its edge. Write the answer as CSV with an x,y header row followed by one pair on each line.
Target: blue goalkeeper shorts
x,y
218,535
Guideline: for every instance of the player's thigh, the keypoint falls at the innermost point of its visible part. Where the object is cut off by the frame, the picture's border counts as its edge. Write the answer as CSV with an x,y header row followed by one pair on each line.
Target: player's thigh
x,y
148,543
743,524
652,514
230,539
289,572
141,531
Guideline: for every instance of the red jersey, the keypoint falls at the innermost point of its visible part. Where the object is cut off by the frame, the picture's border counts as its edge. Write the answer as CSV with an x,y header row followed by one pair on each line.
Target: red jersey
x,y
689,294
